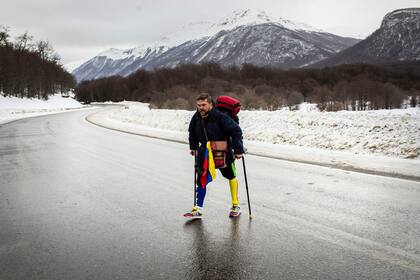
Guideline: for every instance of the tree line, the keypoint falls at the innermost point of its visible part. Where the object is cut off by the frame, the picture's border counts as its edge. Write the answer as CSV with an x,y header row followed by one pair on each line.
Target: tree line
x,y
30,68
344,87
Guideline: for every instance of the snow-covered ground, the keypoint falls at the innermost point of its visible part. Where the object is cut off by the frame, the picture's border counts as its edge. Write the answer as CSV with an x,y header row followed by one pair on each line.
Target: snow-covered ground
x,y
13,108
345,140
394,133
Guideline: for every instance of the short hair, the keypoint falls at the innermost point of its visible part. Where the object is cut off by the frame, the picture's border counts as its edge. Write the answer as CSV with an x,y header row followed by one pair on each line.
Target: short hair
x,y
204,96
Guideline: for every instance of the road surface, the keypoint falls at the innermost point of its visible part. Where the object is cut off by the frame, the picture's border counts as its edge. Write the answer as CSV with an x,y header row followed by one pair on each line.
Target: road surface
x,y
79,201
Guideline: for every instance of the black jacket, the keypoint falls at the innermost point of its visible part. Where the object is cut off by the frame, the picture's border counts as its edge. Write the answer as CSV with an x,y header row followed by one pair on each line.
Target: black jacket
x,y
219,127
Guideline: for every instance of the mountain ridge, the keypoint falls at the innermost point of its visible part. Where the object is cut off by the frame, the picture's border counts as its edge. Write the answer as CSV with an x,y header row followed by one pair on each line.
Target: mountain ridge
x,y
245,37
397,39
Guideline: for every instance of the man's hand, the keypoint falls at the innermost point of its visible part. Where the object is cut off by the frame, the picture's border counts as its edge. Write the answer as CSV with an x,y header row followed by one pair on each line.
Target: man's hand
x,y
238,156
192,152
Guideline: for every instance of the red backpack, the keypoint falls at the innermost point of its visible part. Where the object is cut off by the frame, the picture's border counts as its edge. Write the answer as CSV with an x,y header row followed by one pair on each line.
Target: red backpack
x,y
229,105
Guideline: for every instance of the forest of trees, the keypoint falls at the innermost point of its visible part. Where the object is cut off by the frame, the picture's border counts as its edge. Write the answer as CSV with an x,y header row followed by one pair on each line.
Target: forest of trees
x,y
30,69
345,87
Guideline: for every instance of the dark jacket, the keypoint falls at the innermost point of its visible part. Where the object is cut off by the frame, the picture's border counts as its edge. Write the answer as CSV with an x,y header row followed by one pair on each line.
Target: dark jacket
x,y
219,126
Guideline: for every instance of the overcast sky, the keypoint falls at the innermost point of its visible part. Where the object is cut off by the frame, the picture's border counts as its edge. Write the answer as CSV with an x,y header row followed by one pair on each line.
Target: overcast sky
x,y
79,29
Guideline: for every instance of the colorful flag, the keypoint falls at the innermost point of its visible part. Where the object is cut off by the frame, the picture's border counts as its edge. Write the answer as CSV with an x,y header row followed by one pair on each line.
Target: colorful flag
x,y
209,173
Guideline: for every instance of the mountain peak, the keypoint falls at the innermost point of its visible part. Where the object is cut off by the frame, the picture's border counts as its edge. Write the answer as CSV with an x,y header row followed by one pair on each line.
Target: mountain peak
x,y
138,51
243,17
257,16
400,15
396,40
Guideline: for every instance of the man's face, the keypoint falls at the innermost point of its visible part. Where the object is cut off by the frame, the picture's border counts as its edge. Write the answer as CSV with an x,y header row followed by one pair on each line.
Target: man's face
x,y
203,107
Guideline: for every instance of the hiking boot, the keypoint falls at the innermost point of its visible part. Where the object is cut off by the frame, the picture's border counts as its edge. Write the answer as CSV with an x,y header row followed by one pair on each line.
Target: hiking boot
x,y
194,214
235,211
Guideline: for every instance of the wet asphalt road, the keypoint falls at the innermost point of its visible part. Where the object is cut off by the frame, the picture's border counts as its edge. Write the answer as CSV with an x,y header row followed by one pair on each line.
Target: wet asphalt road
x,y
82,202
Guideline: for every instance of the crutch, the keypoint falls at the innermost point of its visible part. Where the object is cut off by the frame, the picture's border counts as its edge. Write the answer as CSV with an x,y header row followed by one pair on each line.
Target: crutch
x,y
195,178
246,185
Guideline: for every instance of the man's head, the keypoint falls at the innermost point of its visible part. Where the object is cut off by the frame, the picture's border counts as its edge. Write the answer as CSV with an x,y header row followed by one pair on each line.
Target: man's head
x,y
204,104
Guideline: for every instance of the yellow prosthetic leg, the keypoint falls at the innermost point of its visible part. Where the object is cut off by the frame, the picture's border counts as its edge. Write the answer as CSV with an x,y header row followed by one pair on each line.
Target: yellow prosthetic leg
x,y
234,191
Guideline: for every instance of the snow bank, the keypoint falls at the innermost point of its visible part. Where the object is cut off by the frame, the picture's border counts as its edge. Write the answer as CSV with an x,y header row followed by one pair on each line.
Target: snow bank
x,y
394,133
13,108
386,132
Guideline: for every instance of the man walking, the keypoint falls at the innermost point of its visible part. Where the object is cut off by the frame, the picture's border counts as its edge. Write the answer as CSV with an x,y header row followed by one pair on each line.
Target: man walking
x,y
207,126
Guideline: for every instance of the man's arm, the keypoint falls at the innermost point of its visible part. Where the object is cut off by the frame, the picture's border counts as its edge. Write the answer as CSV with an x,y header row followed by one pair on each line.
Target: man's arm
x,y
192,137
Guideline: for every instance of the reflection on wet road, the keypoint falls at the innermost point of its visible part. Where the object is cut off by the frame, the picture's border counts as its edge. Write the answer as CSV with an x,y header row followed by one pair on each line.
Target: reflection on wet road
x,y
213,260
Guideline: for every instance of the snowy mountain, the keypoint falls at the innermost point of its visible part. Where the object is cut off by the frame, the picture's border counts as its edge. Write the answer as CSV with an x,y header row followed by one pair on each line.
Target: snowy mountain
x,y
69,67
238,18
118,62
248,36
268,44
397,39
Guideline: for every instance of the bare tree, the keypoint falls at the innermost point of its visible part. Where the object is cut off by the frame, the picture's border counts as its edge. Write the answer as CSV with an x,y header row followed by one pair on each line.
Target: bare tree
x,y
55,58
23,41
414,97
393,96
44,50
294,98
4,35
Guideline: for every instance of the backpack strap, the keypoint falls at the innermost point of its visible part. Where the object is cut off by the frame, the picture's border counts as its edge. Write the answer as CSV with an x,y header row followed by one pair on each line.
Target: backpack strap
x,y
204,128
